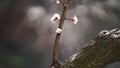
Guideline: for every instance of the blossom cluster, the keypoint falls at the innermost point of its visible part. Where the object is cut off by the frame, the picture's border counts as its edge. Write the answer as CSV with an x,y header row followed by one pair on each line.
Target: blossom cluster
x,y
57,17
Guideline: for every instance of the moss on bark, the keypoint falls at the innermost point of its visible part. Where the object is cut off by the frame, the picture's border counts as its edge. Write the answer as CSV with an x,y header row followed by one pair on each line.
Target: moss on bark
x,y
103,50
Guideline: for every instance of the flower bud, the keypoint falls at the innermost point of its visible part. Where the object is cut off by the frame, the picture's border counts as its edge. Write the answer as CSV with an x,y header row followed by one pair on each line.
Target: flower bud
x,y
58,1
55,17
74,19
58,30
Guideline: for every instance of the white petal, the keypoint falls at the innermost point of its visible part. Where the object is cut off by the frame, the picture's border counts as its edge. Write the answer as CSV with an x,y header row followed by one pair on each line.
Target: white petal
x,y
53,18
58,2
58,30
75,19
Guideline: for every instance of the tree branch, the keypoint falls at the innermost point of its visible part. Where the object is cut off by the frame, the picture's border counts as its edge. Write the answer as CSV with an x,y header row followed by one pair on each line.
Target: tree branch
x,y
58,35
103,50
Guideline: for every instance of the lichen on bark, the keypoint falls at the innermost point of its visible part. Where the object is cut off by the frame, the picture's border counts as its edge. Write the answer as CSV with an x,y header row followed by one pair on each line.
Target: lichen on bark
x,y
99,52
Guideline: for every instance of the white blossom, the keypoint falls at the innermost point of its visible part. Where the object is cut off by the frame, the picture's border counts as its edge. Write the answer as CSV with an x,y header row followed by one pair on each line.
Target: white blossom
x,y
75,19
55,17
58,30
58,2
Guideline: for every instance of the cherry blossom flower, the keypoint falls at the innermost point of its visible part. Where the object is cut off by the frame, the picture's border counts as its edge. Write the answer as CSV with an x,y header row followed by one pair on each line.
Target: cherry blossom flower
x,y
58,2
58,30
55,17
74,19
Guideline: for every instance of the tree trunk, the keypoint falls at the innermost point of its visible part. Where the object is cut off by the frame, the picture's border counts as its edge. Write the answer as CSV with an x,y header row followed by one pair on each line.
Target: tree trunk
x,y
103,50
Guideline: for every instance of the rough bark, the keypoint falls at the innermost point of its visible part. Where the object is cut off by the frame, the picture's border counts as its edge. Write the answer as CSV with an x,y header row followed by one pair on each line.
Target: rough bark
x,y
103,50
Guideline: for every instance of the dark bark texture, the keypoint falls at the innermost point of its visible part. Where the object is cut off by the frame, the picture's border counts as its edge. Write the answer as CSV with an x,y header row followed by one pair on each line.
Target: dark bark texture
x,y
99,52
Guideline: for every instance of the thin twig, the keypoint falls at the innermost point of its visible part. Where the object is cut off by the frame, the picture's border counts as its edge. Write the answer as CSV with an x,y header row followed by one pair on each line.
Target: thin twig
x,y
68,19
58,35
62,4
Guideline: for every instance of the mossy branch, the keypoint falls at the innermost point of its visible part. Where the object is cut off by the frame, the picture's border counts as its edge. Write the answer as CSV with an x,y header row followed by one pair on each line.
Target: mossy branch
x,y
103,50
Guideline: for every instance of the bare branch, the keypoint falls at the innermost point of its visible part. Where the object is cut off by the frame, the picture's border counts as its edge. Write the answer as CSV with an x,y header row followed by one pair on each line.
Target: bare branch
x,y
58,35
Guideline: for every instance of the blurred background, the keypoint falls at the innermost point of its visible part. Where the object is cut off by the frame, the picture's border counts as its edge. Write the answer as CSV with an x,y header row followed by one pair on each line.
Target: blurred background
x,y
27,36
